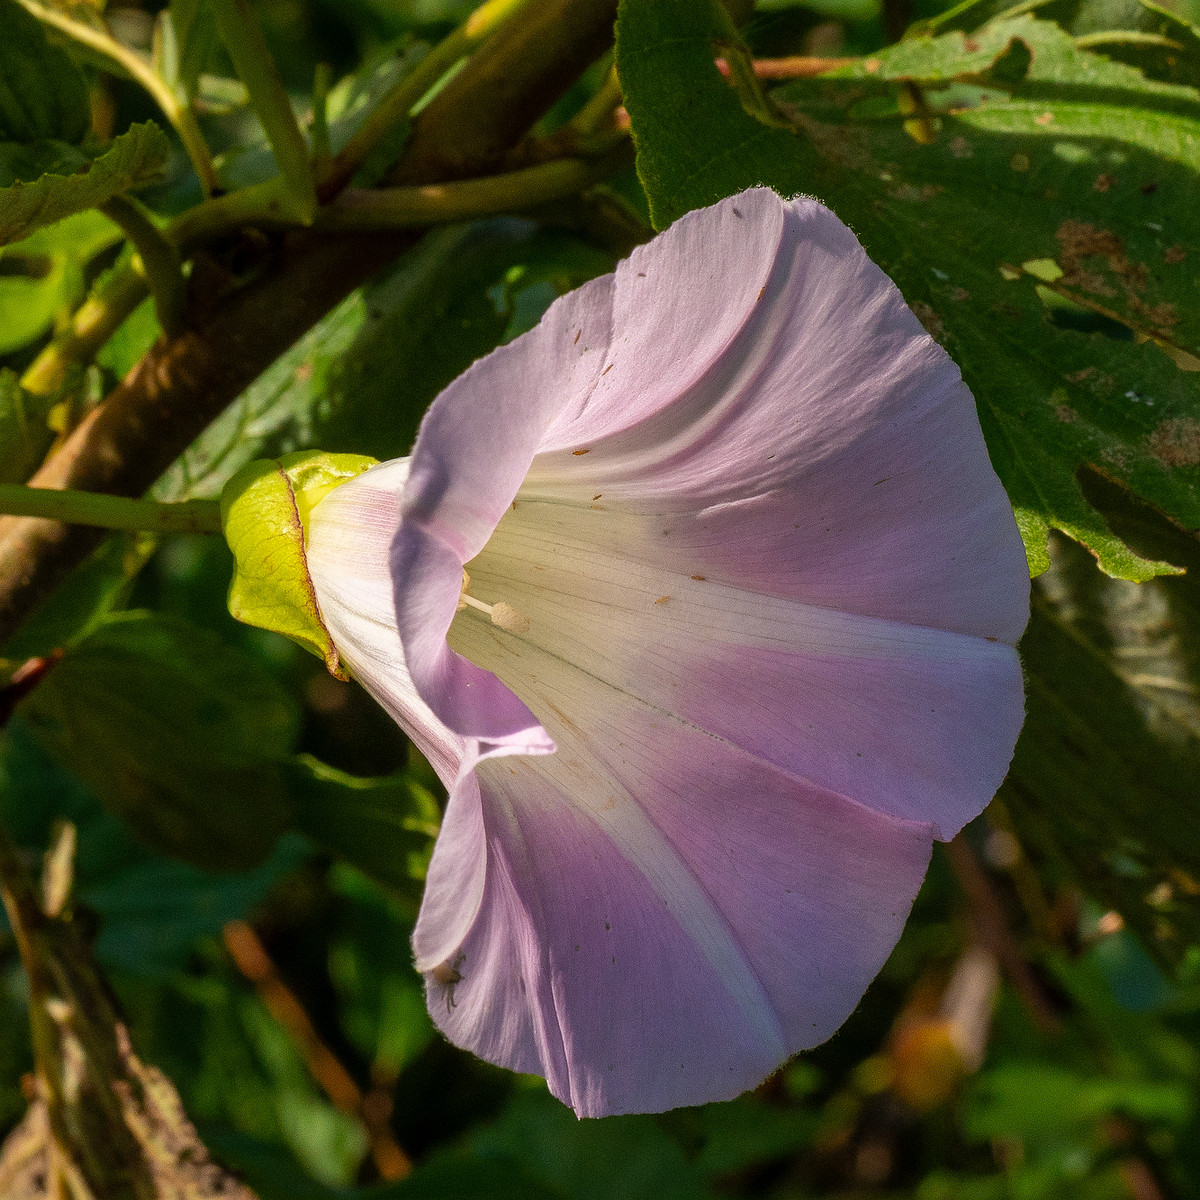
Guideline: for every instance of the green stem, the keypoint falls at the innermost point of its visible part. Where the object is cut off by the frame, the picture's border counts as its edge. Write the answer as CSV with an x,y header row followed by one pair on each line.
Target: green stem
x,y
110,512
407,207
157,258
322,155
597,113
252,59
396,104
264,204
133,64
96,320
402,207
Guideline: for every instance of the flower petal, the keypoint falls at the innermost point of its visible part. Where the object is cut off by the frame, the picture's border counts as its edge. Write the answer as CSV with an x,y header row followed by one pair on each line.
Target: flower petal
x,y
831,455
914,722
666,918
464,473
347,545
780,423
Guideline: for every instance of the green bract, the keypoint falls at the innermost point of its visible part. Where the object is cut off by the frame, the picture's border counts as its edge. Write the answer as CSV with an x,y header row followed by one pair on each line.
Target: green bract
x,y
264,513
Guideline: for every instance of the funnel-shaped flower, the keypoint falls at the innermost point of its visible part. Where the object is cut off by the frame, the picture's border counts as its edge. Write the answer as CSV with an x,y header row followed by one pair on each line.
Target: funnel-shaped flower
x,y
733,644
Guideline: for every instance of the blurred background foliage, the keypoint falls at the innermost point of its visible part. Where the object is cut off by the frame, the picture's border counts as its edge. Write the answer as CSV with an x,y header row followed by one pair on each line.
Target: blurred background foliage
x,y
252,833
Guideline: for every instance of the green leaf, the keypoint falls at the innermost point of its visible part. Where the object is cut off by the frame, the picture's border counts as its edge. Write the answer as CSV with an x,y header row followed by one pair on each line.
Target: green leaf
x,y
633,1156
185,35
44,275
1075,326
152,910
382,999
177,733
1038,1101
264,511
696,144
136,334
384,827
130,161
97,586
42,94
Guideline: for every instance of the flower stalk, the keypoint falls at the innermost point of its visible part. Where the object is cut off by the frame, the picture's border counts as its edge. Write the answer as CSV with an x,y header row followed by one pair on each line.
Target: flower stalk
x,y
110,512
407,207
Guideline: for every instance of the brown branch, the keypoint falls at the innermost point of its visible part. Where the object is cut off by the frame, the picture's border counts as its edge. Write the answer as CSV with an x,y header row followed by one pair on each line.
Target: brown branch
x,y
798,66
988,915
251,958
185,381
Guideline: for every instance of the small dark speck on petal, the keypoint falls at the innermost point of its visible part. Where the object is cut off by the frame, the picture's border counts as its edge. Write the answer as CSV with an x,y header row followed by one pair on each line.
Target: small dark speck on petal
x,y
584,451
641,274
879,481
737,212
576,945
699,578
991,639
762,291
614,958
607,925
597,496
606,370
578,335
662,599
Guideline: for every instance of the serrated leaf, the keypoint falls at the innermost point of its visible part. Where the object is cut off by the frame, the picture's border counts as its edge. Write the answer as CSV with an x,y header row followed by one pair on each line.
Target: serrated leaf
x,y
264,510
42,94
1099,162
130,161
384,827
695,142
176,732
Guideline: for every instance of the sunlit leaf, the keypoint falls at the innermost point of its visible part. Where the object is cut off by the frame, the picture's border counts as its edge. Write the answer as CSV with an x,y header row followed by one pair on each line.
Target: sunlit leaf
x,y
1075,325
132,160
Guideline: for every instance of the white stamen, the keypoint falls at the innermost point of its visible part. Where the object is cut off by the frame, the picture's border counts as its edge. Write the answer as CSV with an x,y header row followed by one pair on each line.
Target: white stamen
x,y
503,616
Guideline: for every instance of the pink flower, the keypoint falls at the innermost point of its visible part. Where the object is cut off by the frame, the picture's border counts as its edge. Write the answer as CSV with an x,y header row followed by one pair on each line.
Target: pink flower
x,y
743,595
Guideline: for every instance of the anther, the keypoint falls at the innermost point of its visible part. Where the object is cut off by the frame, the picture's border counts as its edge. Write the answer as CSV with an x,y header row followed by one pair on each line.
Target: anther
x,y
502,615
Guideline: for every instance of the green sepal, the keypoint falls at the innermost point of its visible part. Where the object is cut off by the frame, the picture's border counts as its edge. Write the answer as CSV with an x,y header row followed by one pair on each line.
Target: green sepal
x,y
264,514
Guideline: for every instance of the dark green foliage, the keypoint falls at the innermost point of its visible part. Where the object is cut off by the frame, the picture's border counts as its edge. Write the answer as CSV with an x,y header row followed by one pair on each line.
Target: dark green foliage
x,y
43,98
1028,177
